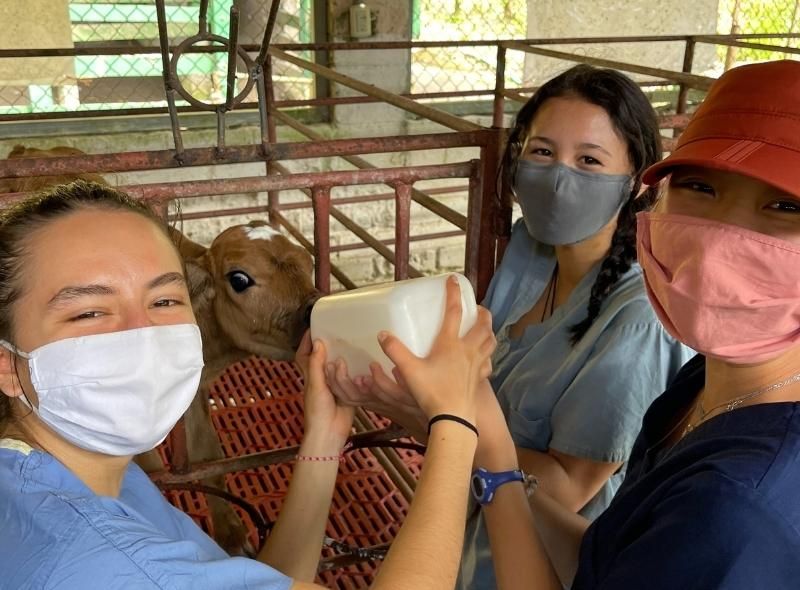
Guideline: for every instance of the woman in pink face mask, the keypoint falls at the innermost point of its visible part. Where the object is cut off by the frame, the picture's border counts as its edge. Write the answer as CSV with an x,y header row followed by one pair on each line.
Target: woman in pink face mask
x,y
710,499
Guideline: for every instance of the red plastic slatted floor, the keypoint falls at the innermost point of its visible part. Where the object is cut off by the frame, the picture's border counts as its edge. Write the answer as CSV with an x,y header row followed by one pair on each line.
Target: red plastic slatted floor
x,y
257,405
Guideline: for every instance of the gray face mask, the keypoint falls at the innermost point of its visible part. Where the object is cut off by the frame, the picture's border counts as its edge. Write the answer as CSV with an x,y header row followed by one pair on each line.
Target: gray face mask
x,y
561,205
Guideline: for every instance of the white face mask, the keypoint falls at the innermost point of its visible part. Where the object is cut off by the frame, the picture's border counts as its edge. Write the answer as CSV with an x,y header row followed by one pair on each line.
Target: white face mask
x,y
118,393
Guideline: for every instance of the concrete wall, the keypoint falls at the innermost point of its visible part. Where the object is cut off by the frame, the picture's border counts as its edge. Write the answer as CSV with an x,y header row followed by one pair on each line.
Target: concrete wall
x,y
614,18
386,69
35,24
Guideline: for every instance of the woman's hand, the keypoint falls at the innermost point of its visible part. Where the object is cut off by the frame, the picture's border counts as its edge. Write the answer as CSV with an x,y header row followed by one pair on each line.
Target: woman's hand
x,y
446,381
380,394
328,423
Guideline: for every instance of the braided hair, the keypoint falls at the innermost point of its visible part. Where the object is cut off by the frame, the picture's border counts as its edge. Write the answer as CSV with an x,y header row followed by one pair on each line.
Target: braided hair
x,y
635,121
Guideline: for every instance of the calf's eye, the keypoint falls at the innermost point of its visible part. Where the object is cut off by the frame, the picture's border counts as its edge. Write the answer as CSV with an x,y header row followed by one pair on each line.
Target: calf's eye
x,y
240,281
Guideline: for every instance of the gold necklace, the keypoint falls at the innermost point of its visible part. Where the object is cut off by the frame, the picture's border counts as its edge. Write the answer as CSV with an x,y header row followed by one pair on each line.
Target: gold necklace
x,y
736,402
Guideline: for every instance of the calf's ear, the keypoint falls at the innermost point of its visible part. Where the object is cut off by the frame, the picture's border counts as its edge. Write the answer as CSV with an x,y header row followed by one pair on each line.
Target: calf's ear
x,y
187,248
201,283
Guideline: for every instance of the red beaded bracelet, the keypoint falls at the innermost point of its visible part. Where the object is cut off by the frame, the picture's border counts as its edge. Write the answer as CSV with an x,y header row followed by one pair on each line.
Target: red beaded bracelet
x,y
322,458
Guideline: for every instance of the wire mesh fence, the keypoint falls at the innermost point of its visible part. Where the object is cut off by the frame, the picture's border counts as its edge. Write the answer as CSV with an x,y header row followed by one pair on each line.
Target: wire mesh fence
x,y
129,81
97,82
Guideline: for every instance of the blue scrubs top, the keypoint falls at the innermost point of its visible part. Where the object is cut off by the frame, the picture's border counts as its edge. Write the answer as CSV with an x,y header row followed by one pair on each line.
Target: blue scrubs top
x,y
55,533
720,510
586,401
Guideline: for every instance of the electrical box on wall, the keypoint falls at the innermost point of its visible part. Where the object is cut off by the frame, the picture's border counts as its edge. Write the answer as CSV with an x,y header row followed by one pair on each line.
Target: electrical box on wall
x,y
360,20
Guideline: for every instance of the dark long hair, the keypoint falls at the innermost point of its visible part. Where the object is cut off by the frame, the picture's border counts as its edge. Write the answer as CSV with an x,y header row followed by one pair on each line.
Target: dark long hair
x,y
635,121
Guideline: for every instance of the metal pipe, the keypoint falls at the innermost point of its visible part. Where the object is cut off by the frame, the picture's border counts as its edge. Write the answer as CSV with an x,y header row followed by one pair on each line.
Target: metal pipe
x,y
163,159
691,80
217,467
233,54
750,45
421,198
356,229
421,110
267,40
499,87
688,60
135,49
322,237
203,26
273,197
169,87
194,215
402,230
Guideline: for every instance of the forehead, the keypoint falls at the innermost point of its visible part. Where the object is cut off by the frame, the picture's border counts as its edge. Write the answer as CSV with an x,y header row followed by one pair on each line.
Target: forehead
x,y
242,244
572,115
85,244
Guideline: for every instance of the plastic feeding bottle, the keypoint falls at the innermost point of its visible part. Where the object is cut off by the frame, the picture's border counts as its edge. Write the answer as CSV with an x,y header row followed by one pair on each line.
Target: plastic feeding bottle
x,y
348,323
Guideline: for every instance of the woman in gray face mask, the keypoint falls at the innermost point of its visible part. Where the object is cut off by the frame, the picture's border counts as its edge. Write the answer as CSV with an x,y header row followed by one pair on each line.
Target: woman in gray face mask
x,y
580,352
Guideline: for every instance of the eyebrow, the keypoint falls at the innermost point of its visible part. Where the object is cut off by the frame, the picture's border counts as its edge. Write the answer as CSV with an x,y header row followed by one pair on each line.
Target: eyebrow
x,y
549,141
73,292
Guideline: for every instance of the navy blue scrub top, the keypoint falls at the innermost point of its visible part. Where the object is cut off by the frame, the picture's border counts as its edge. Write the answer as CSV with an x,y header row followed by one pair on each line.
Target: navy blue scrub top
x,y
718,510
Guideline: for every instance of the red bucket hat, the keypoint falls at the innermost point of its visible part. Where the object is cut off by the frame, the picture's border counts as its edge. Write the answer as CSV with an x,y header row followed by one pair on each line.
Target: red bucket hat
x,y
749,124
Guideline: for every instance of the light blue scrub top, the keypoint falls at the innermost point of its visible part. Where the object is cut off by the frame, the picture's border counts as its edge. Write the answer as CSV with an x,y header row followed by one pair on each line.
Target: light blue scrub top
x,y
55,533
587,401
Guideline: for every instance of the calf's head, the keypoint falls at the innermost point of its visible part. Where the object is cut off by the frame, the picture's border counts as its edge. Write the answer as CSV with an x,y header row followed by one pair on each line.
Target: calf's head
x,y
258,286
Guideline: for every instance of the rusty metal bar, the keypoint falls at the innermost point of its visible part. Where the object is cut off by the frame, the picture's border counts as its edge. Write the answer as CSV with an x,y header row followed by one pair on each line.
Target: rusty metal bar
x,y
750,45
402,231
342,100
362,422
233,54
203,24
166,191
390,241
179,460
306,205
169,87
134,49
273,197
691,80
420,197
267,40
321,196
356,229
688,60
255,460
421,110
162,159
677,121
298,235
483,215
499,87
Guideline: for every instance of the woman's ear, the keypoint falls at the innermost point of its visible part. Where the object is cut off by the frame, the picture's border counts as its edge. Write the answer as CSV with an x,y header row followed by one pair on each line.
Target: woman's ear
x,y
9,382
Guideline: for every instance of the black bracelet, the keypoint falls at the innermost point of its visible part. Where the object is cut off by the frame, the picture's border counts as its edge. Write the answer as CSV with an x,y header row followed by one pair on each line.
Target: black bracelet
x,y
452,418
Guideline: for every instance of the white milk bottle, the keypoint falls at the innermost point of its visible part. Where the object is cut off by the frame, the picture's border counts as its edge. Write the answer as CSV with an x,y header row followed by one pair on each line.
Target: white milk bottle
x,y
348,323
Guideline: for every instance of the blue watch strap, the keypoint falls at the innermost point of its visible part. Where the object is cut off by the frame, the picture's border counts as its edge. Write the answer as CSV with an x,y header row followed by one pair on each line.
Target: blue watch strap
x,y
485,483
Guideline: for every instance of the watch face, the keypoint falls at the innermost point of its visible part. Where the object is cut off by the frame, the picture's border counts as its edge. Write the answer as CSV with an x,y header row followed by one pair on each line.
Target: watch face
x,y
478,486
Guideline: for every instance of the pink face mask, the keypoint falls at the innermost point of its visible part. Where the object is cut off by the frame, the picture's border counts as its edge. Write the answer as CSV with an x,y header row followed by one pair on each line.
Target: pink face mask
x,y
725,291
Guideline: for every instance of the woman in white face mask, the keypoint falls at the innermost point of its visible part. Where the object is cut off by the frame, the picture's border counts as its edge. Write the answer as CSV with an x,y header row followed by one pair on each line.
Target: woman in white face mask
x,y
710,500
101,356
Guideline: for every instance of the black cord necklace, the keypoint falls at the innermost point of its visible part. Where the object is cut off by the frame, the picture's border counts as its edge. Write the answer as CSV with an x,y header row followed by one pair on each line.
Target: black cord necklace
x,y
550,299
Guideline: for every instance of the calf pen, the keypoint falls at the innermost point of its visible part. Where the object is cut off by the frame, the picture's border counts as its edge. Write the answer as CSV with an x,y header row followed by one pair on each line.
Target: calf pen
x,y
257,404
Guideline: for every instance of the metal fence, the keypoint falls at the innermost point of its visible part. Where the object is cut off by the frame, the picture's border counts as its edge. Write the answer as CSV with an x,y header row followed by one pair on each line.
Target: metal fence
x,y
92,81
96,81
